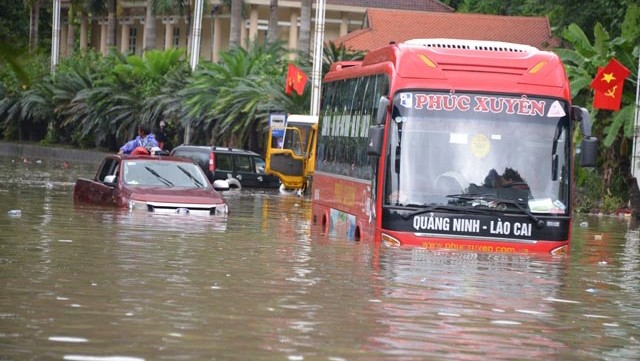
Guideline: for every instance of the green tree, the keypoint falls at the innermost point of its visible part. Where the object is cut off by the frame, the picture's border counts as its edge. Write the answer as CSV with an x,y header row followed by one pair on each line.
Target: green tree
x,y
333,53
18,72
108,7
615,129
117,95
229,102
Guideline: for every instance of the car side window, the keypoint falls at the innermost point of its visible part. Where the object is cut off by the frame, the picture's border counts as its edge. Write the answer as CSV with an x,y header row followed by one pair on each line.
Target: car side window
x,y
224,162
243,164
109,167
259,164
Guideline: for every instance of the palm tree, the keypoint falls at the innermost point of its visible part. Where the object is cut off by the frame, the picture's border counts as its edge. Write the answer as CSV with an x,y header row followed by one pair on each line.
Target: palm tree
x,y
111,23
149,41
236,23
304,39
272,29
233,98
109,7
34,21
74,6
333,53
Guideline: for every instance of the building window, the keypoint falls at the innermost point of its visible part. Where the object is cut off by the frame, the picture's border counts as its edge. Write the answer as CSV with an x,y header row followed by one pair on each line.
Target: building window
x,y
176,37
133,38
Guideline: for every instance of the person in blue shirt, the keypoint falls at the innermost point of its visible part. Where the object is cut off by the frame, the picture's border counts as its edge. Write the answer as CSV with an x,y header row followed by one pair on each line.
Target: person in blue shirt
x,y
145,140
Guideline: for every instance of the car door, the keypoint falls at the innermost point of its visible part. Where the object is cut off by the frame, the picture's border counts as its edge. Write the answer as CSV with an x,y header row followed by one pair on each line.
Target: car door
x,y
224,166
264,180
101,189
244,171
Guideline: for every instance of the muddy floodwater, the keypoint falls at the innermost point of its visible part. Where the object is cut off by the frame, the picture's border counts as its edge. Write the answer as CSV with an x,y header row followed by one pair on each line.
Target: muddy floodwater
x,y
92,283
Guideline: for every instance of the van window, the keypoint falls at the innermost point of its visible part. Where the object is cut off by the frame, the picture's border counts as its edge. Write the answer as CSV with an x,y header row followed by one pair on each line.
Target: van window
x,y
243,164
224,162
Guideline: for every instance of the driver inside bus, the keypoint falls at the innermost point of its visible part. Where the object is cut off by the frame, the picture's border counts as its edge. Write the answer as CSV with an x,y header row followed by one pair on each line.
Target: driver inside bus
x,y
509,178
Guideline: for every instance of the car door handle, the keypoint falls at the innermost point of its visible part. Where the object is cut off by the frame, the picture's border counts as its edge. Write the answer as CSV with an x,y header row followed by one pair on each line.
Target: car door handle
x,y
260,179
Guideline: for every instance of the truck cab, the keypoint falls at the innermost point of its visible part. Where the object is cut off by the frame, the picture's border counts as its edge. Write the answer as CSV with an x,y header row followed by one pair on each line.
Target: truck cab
x,y
291,151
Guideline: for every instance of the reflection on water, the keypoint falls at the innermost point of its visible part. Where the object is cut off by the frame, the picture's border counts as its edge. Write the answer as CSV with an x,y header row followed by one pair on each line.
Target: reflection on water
x,y
91,283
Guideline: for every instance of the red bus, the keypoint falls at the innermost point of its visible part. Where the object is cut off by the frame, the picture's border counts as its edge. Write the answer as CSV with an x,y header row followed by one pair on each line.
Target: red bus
x,y
453,144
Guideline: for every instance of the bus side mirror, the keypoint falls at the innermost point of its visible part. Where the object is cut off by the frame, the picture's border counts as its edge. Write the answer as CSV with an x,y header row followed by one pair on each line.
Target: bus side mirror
x,y
589,152
374,142
589,144
581,115
383,108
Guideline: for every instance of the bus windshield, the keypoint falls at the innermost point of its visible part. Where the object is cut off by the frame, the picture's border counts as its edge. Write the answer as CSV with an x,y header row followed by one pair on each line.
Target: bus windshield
x,y
464,150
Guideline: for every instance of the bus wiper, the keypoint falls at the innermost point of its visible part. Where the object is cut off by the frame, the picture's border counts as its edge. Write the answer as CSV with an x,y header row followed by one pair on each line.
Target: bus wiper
x,y
438,207
162,179
487,197
194,179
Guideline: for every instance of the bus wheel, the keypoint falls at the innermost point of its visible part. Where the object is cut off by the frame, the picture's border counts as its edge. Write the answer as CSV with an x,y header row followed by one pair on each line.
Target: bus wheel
x,y
325,224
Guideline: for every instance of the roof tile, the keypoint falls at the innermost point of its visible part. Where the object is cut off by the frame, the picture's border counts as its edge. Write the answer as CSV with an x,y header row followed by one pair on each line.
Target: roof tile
x,y
385,26
415,5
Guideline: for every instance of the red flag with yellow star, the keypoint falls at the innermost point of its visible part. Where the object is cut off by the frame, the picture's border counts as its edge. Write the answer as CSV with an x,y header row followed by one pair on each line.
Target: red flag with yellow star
x,y
610,98
609,76
296,80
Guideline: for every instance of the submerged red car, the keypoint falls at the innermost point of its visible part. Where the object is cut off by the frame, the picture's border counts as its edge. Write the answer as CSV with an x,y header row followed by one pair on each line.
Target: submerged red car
x,y
151,183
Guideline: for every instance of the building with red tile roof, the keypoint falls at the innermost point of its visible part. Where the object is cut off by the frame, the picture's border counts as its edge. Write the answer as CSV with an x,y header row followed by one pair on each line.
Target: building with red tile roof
x,y
410,5
382,26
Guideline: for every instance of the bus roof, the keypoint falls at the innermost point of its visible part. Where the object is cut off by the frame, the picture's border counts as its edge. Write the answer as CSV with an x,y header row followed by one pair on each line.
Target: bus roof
x,y
457,64
472,45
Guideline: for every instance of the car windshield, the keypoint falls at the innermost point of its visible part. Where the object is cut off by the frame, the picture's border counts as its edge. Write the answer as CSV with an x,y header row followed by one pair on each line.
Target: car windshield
x,y
474,150
163,174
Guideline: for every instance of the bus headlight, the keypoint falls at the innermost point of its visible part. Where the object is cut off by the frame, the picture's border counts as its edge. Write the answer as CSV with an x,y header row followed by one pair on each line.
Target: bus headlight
x,y
390,240
562,250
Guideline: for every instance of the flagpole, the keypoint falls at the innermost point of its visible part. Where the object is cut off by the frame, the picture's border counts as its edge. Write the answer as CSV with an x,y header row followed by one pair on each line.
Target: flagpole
x,y
196,33
316,73
55,36
636,130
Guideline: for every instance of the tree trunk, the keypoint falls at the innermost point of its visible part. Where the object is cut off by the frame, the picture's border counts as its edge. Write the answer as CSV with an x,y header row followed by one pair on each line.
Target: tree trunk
x,y
272,30
111,24
149,42
34,21
71,35
304,40
236,23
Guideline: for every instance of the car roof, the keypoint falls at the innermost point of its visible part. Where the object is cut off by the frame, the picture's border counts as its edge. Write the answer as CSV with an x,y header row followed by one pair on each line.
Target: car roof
x,y
215,149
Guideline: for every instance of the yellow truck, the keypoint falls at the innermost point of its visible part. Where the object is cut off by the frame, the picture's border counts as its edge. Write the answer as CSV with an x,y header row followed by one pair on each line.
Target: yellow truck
x,y
291,150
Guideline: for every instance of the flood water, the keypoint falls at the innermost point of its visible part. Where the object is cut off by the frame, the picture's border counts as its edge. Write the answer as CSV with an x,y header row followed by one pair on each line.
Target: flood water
x,y
88,283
